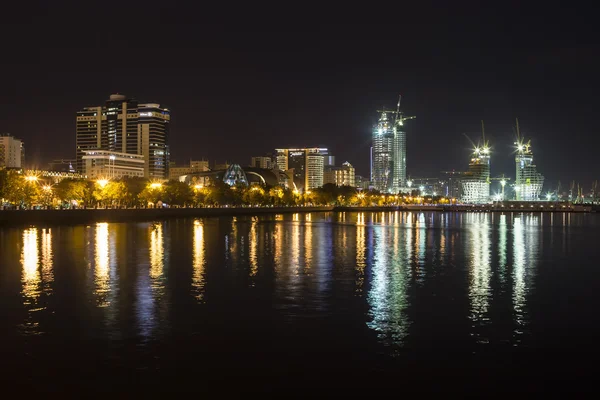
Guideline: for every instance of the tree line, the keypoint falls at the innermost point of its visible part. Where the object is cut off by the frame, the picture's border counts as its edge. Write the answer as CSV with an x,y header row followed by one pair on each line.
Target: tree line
x,y
21,191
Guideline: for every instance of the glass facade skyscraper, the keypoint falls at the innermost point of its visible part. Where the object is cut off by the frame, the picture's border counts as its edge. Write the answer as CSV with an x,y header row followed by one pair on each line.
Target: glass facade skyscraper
x,y
388,153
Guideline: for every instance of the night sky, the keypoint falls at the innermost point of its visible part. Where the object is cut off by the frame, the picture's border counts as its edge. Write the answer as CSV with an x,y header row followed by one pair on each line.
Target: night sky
x,y
243,81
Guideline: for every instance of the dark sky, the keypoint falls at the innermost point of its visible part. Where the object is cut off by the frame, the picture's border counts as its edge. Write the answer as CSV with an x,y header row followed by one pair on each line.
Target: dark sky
x,y
242,81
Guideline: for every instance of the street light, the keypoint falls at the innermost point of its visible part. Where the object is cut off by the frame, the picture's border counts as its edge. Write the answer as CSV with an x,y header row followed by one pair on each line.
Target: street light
x,y
197,187
47,188
102,182
156,185
409,183
31,178
111,172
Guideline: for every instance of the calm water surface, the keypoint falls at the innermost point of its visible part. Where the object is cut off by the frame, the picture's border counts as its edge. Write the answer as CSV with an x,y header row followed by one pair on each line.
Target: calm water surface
x,y
346,299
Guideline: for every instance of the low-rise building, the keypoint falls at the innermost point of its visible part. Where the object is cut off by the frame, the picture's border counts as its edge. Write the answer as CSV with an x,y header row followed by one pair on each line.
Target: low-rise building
x,y
195,166
262,162
104,164
340,176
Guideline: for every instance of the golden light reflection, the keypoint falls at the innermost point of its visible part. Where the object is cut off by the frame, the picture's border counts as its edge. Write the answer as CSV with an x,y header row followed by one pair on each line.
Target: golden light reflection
x,y
278,244
253,251
308,247
46,259
199,259
156,251
102,263
295,249
479,268
361,253
29,260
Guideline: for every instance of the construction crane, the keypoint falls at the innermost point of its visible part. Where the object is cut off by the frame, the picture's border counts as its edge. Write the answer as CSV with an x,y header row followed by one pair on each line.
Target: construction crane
x,y
399,117
503,180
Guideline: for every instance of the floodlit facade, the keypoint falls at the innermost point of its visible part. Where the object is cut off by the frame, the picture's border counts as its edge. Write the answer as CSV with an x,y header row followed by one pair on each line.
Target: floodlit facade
x,y
11,152
340,176
307,165
123,125
102,164
388,153
476,182
528,182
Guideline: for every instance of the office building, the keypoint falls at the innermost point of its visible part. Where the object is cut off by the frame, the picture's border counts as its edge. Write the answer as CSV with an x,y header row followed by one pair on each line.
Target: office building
x,y
340,176
388,153
153,138
123,125
194,166
306,165
11,152
103,164
262,162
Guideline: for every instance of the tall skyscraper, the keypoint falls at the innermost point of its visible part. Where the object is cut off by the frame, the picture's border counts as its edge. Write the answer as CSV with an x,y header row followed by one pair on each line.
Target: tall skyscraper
x,y
124,126
528,182
388,154
153,138
307,165
476,182
11,152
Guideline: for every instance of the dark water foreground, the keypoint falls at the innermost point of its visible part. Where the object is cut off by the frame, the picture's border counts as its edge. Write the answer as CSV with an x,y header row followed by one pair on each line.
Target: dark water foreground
x,y
410,302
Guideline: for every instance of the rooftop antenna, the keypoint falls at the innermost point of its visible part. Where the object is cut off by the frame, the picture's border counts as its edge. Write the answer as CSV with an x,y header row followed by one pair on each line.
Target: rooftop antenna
x,y
518,131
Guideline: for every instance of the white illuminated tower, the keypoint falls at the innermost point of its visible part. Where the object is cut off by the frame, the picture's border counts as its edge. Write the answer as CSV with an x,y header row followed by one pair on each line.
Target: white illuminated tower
x,y
476,183
388,154
528,182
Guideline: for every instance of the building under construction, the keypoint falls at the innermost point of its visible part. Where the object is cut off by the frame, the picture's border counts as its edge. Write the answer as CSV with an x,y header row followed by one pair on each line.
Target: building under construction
x,y
528,182
476,182
388,154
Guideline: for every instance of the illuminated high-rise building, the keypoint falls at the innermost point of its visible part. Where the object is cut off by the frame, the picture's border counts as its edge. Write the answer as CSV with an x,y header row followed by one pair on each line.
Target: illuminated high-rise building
x,y
11,152
476,182
306,165
528,182
388,154
125,126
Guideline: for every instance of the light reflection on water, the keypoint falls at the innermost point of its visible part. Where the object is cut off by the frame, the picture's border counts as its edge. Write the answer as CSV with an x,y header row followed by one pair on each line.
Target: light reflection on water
x,y
383,264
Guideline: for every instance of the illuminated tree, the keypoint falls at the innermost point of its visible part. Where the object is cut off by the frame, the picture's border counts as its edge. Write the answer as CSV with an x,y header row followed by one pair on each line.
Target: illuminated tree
x,y
178,193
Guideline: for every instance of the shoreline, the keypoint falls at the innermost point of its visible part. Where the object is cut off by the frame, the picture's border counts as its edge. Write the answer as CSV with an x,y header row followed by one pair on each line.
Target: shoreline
x,y
81,216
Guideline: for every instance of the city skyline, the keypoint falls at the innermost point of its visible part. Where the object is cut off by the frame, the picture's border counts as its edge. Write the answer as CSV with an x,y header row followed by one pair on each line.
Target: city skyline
x,y
259,85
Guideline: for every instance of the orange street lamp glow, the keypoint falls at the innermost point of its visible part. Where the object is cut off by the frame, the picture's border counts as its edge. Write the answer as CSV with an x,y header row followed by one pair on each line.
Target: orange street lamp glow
x,y
102,182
